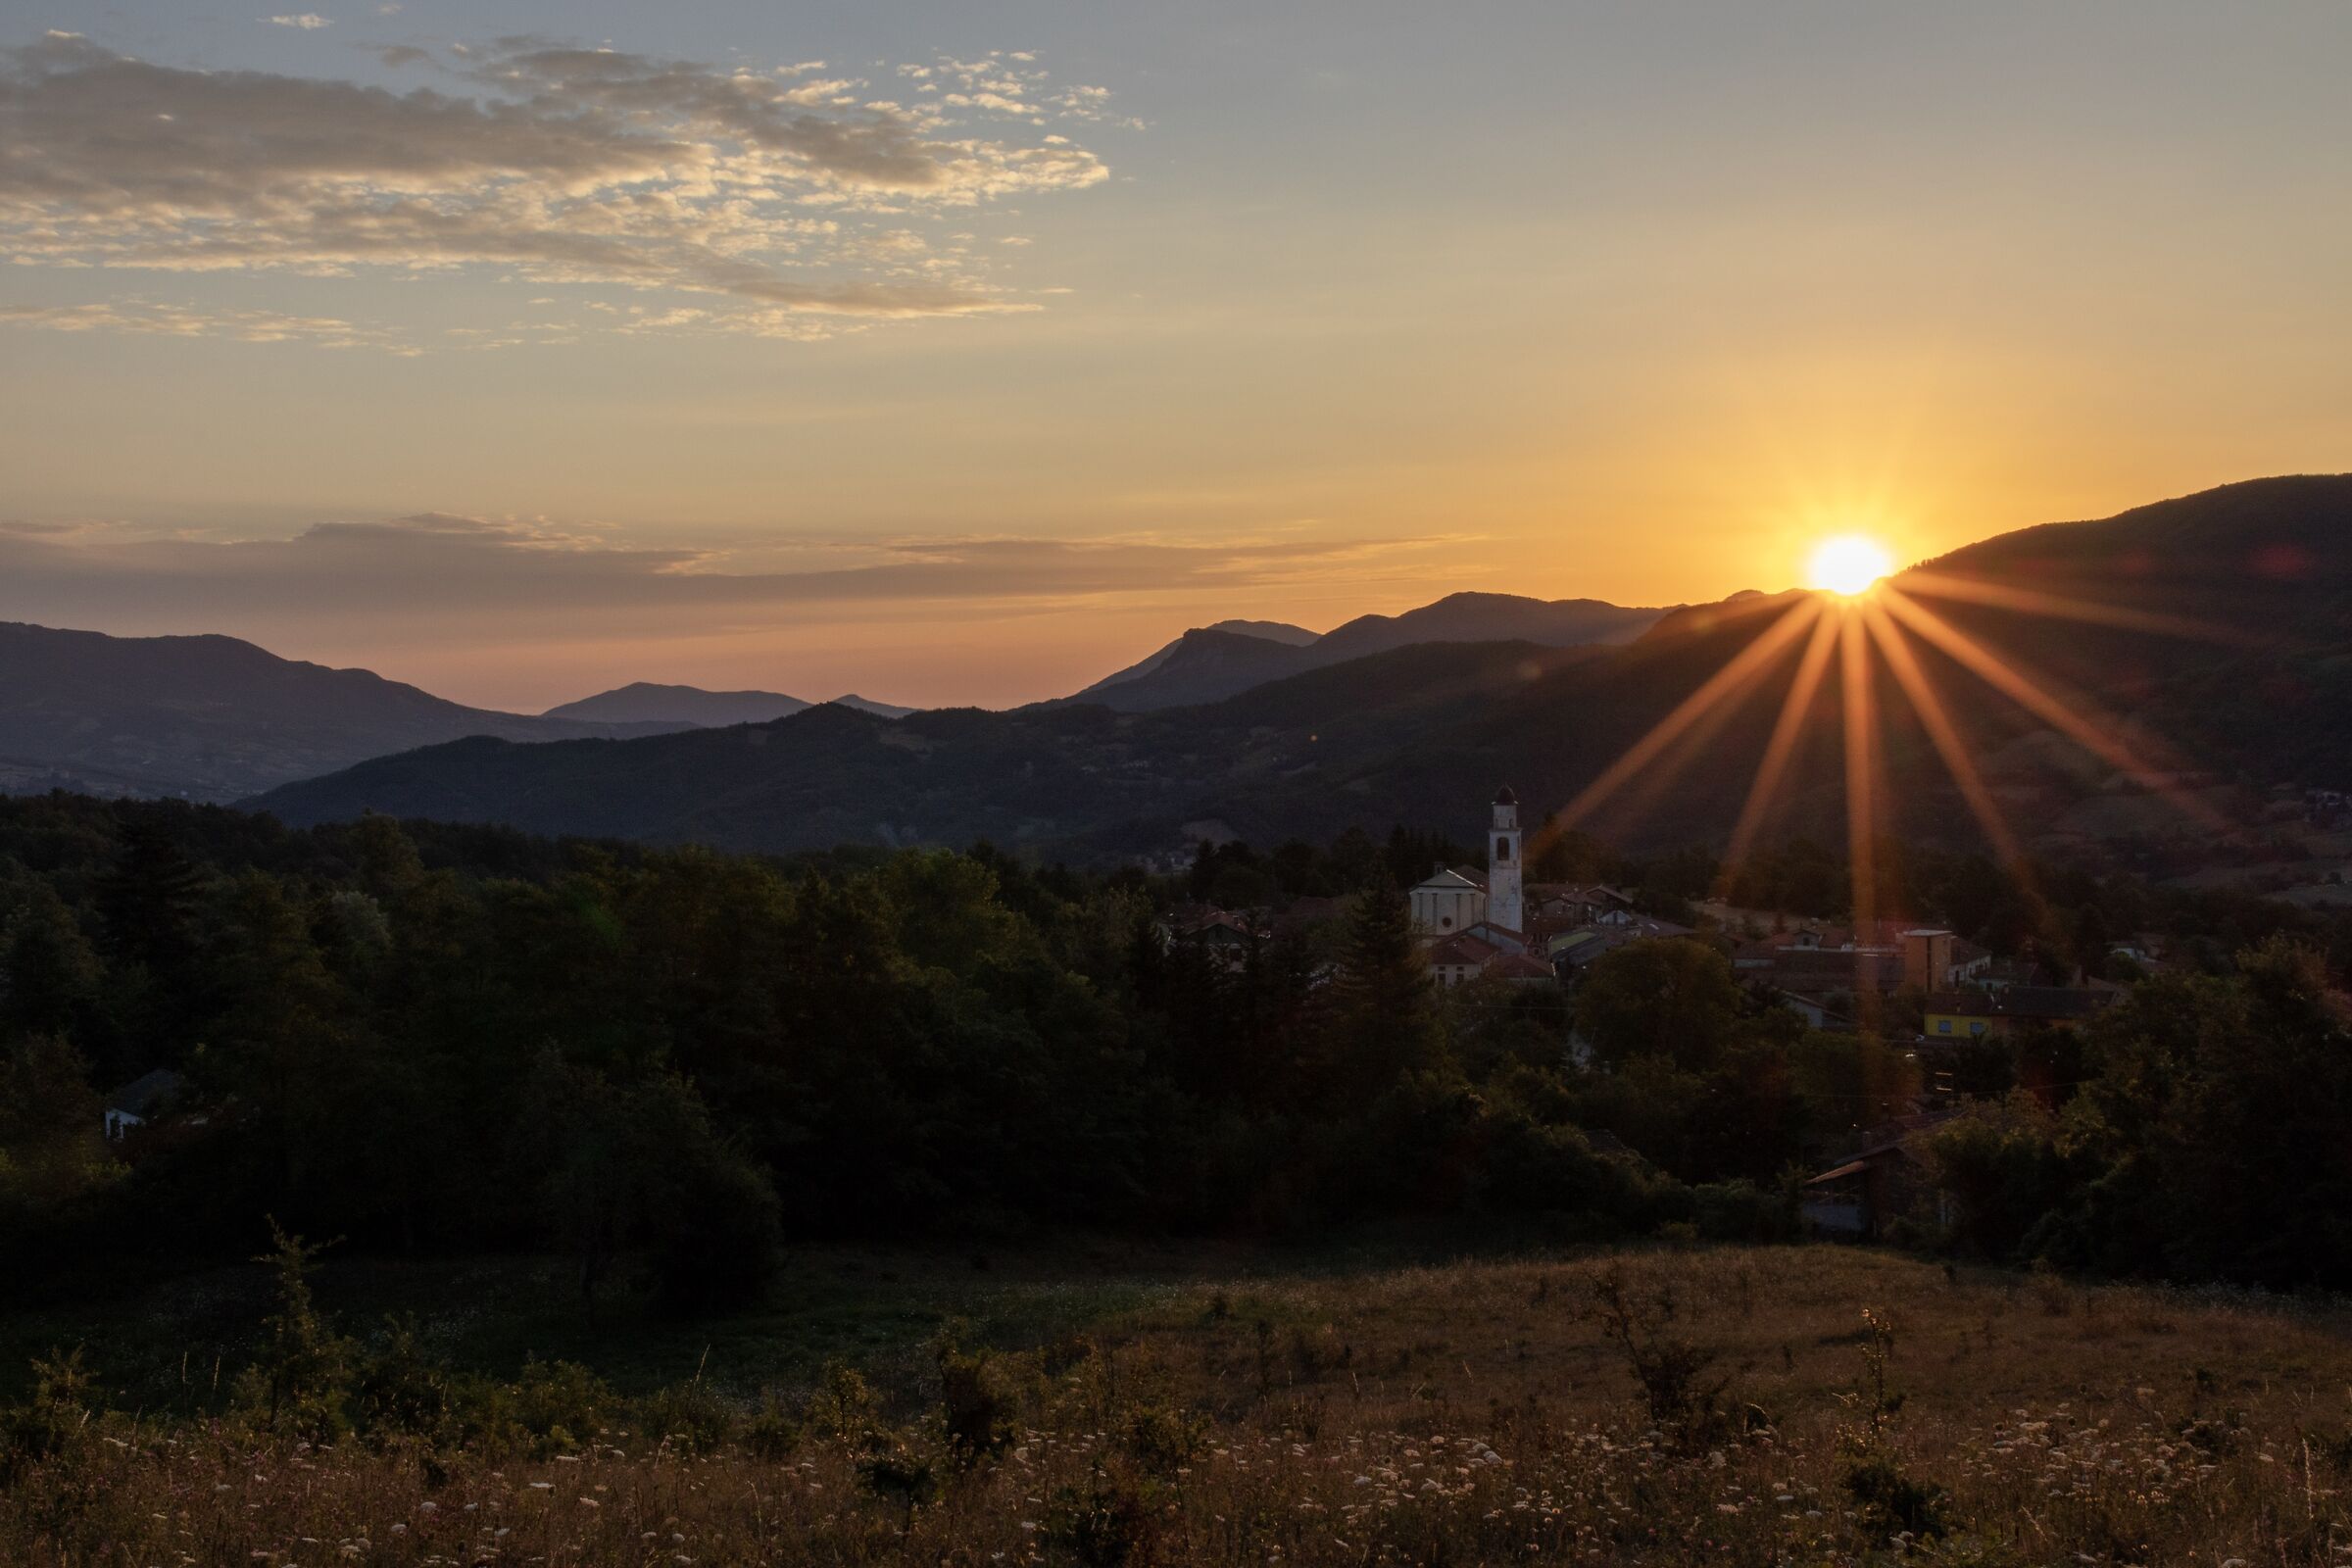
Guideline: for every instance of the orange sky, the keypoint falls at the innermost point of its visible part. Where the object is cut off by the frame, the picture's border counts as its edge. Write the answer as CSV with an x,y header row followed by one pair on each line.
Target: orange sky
x,y
1074,330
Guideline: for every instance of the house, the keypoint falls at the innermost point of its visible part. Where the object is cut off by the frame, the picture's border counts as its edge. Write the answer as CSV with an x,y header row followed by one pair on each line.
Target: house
x,y
1227,938
1820,1011
1460,957
1520,969
140,1101
1567,904
1573,951
1883,1178
1953,1014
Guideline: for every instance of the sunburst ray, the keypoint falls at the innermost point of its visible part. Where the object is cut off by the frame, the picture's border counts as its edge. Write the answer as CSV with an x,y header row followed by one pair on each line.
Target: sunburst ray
x,y
1942,733
2060,607
2013,681
1749,660
1782,745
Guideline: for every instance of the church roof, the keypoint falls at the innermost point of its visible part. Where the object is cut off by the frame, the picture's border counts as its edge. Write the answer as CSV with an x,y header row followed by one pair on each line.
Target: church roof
x,y
1450,881
1504,797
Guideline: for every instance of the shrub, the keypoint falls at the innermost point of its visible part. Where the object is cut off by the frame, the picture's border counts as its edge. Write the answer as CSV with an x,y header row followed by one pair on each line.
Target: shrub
x,y
977,1416
1670,1370
52,1423
1110,1523
302,1381
400,1388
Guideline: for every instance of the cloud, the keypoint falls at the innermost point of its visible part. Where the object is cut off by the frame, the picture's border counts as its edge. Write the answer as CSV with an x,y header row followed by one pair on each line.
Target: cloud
x,y
181,321
509,578
547,164
308,21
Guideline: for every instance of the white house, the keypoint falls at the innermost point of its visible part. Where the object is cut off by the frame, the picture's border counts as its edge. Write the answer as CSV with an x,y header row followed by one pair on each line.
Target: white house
x,y
139,1102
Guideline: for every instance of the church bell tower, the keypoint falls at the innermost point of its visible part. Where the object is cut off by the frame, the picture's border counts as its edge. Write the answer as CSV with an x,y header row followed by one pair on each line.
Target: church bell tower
x,y
1505,905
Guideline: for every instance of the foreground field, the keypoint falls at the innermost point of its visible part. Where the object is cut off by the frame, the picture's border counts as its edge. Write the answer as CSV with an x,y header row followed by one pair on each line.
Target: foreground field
x,y
1720,1407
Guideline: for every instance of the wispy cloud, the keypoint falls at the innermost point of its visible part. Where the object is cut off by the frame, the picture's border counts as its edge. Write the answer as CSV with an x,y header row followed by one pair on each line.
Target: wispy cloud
x,y
434,566
307,20
181,321
786,192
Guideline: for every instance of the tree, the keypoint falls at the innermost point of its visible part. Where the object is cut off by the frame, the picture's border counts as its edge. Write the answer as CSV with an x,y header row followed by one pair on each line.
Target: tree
x,y
643,1166
285,1039
2218,1110
49,973
1660,997
303,1377
1384,1021
148,902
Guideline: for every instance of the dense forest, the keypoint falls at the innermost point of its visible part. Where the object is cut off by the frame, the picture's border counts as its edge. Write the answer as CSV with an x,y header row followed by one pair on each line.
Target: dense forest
x,y
667,1064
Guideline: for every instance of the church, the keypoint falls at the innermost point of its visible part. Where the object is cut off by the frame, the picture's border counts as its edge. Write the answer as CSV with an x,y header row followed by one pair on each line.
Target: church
x,y
1494,923
1463,900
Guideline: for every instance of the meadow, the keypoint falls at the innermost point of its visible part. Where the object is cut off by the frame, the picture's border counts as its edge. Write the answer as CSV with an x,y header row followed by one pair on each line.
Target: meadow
x,y
1728,1405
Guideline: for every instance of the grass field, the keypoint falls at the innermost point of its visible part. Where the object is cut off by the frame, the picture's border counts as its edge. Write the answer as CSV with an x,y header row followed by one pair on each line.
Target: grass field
x,y
1169,1408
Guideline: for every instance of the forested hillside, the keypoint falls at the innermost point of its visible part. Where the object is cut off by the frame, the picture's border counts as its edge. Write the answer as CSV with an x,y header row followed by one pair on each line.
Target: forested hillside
x,y
438,1040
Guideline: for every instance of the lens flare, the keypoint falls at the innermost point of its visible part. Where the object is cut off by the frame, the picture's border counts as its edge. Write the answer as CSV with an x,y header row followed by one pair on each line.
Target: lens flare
x,y
1848,563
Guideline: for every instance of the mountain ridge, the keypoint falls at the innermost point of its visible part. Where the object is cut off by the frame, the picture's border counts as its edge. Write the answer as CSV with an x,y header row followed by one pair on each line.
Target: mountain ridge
x,y
1410,734
1210,663
212,717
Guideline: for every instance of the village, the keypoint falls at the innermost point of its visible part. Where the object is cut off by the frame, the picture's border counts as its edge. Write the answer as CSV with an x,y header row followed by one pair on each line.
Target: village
x,y
1952,1006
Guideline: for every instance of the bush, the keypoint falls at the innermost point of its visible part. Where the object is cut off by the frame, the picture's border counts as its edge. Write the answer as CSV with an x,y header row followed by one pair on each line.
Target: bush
x,y
1111,1523
977,1416
400,1388
53,1422
1670,1369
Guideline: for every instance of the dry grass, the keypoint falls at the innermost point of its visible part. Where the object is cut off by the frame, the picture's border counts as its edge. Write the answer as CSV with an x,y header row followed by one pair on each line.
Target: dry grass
x,y
1475,1413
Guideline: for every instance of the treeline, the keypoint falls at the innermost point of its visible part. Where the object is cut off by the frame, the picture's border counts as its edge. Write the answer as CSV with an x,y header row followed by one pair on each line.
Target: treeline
x,y
418,1038
665,1064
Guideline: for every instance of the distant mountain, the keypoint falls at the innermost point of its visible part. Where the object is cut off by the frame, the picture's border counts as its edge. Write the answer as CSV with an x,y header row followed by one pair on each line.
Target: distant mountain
x,y
692,708
642,702
2259,697
832,775
1273,631
1210,663
1203,665
1470,618
211,717
866,704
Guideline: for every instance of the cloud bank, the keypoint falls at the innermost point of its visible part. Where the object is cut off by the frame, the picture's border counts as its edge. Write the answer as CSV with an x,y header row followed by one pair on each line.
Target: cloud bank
x,y
779,194
437,566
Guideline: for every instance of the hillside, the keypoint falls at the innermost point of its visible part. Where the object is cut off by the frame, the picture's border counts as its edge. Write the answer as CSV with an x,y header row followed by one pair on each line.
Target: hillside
x,y
1311,1407
1273,631
1416,733
211,718
1212,663
644,702
830,775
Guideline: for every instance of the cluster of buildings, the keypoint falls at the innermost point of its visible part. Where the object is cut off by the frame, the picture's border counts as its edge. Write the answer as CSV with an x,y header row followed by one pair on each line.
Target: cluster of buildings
x,y
1490,922
1494,924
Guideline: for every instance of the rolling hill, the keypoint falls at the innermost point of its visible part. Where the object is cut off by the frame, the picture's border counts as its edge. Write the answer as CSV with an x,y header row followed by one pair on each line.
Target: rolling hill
x,y
2260,696
213,718
683,706
1212,663
644,702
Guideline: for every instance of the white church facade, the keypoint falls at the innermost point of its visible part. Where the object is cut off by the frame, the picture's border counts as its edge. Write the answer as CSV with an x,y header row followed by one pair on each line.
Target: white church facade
x,y
1457,900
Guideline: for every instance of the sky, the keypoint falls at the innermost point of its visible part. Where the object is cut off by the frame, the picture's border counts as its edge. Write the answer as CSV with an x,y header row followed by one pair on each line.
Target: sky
x,y
964,352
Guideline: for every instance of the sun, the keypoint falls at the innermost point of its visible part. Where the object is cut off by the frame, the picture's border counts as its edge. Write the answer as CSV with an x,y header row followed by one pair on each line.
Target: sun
x,y
1848,563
